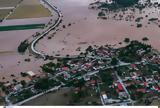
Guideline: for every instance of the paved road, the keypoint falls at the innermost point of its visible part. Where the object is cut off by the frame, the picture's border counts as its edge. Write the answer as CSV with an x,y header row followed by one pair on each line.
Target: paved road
x,y
35,96
54,8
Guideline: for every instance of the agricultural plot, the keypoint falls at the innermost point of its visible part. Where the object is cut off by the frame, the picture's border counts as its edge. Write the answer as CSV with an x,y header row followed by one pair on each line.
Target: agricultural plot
x,y
9,3
4,13
30,9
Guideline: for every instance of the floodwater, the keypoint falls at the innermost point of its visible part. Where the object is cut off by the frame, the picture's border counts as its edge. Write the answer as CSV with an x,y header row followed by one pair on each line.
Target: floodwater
x,y
11,62
86,29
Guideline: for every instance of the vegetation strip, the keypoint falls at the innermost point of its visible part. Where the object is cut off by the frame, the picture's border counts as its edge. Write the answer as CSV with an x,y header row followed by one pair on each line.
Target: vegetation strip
x,y
21,27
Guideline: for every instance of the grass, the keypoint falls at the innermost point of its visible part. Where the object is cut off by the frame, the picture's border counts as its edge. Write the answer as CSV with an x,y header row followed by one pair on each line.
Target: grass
x,y
21,27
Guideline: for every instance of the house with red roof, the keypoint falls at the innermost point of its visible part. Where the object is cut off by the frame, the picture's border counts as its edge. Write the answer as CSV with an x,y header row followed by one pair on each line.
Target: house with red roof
x,y
120,88
65,68
141,90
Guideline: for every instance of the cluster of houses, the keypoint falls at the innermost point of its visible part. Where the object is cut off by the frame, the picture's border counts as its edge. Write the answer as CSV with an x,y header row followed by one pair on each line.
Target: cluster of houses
x,y
142,83
88,68
140,1
18,85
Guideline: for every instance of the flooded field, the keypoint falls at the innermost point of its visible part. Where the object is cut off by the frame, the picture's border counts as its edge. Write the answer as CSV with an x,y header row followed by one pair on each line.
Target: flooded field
x,y
11,62
83,29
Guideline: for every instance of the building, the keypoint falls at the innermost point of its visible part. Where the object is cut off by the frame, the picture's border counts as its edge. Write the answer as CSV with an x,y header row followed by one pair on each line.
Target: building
x,y
17,87
142,2
155,1
31,74
104,98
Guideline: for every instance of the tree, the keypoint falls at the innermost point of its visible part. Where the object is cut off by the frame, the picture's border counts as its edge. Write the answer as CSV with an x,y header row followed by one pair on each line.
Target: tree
x,y
139,25
145,39
44,84
114,61
126,40
106,77
23,74
101,14
126,3
23,46
49,67
23,82
89,49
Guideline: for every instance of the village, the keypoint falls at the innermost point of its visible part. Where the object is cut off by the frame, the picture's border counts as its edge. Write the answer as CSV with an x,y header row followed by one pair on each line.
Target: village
x,y
99,75
102,72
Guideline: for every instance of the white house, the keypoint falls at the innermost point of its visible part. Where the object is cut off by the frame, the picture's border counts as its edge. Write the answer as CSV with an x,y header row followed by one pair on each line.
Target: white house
x,y
155,1
143,2
17,87
31,74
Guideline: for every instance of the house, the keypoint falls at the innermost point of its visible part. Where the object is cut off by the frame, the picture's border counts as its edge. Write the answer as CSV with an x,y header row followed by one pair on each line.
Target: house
x,y
65,68
120,88
86,78
142,2
17,87
93,82
105,98
122,95
31,74
155,1
101,0
142,90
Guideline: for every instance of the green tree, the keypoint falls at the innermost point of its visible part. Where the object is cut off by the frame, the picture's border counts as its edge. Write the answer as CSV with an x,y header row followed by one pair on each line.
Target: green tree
x,y
126,3
23,46
126,40
106,77
114,61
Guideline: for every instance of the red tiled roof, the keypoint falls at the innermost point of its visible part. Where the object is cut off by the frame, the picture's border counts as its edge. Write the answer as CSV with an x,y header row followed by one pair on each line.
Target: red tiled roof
x,y
92,82
74,71
145,83
65,76
65,68
120,88
133,65
141,90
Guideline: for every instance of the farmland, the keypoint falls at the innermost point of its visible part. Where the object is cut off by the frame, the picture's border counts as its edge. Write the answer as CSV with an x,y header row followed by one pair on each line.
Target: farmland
x,y
30,9
4,12
9,3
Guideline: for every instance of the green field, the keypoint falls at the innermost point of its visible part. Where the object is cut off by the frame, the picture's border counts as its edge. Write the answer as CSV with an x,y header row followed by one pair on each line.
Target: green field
x,y
21,27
